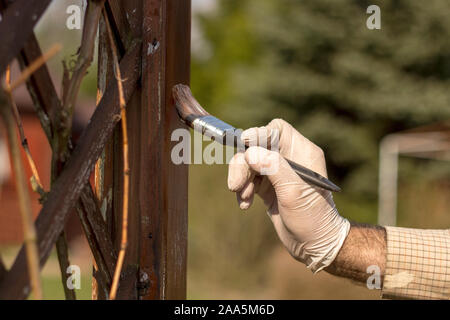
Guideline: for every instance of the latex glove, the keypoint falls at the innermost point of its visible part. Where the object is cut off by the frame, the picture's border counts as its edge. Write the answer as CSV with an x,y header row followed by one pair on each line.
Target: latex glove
x,y
305,217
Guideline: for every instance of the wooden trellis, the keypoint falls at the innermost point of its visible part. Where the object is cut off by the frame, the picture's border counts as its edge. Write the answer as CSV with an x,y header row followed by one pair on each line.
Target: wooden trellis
x,y
153,41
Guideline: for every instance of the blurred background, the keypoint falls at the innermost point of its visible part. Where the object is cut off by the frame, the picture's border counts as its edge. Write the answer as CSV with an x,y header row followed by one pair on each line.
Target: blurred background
x,y
315,64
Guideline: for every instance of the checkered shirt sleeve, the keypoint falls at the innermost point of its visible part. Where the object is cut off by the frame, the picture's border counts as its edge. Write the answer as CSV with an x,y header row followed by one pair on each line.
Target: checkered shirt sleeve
x,y
417,264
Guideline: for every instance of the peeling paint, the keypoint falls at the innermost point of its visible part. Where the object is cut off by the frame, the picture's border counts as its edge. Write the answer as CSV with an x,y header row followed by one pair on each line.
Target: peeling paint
x,y
106,203
152,47
398,280
103,207
143,277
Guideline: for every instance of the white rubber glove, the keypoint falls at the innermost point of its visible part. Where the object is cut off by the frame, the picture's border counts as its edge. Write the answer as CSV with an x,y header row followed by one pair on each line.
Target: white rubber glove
x,y
305,217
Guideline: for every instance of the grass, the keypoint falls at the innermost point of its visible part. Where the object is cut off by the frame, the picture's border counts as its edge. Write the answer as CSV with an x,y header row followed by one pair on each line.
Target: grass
x,y
53,290
51,278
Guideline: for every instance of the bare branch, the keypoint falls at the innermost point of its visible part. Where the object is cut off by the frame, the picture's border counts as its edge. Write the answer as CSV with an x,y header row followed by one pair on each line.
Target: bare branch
x,y
70,184
64,116
61,243
35,180
47,103
24,201
126,167
35,65
62,251
84,60
40,86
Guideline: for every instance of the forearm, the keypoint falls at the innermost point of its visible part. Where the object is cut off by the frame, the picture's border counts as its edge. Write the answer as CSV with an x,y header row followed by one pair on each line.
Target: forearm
x,y
364,246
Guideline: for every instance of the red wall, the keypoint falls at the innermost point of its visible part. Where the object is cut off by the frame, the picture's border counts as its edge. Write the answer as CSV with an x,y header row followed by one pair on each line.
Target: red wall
x,y
10,219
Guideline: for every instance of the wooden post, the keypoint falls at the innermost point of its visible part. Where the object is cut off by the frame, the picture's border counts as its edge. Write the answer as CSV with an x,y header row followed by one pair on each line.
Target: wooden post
x,y
155,264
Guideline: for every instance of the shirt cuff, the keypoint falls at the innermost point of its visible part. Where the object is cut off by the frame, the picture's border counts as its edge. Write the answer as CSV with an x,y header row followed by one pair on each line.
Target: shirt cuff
x,y
417,264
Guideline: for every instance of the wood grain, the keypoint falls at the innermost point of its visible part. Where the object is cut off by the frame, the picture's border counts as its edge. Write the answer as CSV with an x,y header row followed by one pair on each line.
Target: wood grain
x,y
163,187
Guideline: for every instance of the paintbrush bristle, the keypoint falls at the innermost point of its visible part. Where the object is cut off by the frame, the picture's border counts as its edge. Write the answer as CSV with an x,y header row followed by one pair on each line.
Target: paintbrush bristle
x,y
185,102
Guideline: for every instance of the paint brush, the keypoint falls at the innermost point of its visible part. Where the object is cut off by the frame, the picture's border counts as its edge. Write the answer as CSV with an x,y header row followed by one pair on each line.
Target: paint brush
x,y
192,114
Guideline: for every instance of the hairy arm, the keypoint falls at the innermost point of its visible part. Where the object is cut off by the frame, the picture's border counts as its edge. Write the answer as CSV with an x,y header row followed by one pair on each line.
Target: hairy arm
x,y
304,217
364,246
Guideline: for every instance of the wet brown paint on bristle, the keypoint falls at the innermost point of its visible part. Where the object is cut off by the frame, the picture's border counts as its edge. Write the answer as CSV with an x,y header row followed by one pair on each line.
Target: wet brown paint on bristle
x,y
186,104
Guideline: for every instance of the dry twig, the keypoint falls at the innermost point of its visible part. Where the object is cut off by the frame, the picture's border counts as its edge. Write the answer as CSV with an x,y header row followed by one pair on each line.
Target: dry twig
x,y
126,168
88,211
72,181
61,243
35,180
24,200
73,82
63,117
34,66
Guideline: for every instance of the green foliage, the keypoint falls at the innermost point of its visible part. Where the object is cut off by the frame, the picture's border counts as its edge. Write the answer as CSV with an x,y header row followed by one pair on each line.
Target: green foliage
x,y
53,290
315,63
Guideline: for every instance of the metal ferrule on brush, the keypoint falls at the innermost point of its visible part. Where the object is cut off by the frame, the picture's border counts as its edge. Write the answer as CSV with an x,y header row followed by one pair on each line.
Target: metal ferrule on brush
x,y
214,128
192,113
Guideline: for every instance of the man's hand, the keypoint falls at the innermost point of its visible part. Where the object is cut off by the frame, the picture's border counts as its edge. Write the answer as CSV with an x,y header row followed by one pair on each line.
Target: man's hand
x,y
304,216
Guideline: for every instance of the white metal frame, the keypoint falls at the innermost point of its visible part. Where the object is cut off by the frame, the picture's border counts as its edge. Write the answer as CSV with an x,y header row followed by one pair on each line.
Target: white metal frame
x,y
431,145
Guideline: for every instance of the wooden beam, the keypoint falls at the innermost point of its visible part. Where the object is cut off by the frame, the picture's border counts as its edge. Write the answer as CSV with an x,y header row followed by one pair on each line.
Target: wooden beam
x,y
69,185
16,27
163,185
155,263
